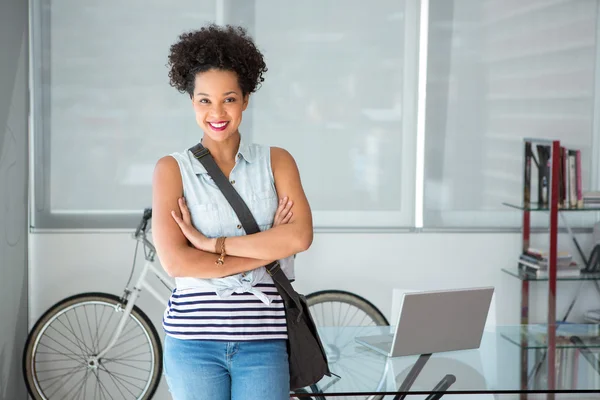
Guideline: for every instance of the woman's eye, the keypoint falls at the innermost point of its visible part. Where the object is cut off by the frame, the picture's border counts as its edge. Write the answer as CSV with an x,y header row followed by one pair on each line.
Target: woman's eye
x,y
229,100
204,101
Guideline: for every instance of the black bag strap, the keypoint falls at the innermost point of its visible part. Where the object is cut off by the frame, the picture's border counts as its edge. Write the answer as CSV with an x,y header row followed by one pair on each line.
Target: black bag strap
x,y
244,215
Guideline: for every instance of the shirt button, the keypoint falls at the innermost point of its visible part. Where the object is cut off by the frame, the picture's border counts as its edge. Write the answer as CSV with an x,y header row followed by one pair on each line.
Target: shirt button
x,y
239,226
233,181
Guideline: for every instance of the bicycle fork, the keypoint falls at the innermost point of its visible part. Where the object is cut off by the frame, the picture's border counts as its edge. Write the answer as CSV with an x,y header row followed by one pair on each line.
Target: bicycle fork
x,y
131,297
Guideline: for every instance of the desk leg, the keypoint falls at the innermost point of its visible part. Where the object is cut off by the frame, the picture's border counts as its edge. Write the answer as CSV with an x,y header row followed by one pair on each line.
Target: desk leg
x,y
316,392
441,387
412,376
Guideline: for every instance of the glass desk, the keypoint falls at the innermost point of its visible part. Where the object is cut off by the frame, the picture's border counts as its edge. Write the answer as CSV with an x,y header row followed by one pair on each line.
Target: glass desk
x,y
496,367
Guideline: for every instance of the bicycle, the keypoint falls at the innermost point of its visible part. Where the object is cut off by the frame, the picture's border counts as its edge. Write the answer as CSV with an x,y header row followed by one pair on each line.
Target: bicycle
x,y
88,360
121,357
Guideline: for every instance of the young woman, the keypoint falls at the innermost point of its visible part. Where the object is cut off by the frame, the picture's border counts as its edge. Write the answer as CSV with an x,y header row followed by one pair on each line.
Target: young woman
x,y
225,323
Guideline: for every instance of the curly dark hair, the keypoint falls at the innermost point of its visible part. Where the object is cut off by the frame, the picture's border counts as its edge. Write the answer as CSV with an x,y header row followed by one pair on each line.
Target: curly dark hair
x,y
216,47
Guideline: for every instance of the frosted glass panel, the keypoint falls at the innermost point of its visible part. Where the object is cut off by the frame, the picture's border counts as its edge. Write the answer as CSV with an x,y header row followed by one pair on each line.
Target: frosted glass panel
x,y
108,112
499,71
333,97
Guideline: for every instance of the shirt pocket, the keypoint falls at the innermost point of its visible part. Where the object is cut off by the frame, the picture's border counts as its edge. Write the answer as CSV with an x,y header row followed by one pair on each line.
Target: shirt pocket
x,y
205,218
264,206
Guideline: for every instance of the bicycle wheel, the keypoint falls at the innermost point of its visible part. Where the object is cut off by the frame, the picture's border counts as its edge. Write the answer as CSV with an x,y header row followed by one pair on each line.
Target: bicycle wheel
x,y
59,356
358,312
337,308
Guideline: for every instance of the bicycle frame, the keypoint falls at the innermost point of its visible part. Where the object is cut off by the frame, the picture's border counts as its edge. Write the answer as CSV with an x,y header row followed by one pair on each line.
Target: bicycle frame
x,y
131,296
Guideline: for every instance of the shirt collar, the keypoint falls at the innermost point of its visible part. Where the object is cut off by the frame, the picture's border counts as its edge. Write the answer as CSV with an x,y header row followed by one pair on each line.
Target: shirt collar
x,y
244,151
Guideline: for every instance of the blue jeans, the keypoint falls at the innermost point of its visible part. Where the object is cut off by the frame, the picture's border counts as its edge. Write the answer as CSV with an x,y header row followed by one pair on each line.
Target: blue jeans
x,y
203,369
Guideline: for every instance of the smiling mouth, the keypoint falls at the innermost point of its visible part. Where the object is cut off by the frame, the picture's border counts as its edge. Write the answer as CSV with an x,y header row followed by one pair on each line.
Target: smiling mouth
x,y
218,126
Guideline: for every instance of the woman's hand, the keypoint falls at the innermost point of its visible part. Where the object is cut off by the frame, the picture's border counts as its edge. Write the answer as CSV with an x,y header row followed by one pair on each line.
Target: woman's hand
x,y
196,238
283,213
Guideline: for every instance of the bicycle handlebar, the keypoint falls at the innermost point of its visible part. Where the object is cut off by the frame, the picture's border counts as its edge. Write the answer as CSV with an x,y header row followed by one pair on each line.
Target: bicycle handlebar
x,y
143,225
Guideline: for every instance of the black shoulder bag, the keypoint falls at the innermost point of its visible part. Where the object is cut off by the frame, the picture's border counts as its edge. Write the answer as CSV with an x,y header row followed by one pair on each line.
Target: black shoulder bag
x,y
307,360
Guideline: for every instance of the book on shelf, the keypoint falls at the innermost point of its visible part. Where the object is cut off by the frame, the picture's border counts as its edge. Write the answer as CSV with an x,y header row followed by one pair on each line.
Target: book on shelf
x,y
569,175
592,316
543,255
591,198
535,263
543,164
579,179
527,176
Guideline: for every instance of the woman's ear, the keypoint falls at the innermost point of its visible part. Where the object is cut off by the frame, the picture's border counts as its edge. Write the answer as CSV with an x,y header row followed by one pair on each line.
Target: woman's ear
x,y
245,102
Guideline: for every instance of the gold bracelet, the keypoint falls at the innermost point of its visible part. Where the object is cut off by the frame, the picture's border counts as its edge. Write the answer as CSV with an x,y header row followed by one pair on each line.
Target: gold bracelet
x,y
218,245
220,248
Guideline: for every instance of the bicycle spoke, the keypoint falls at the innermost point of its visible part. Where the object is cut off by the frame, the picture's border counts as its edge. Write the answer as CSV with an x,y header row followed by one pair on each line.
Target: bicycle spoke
x,y
345,316
122,336
94,340
128,365
129,356
52,378
89,327
132,349
73,329
50,361
317,317
95,388
82,386
65,336
116,384
339,313
121,378
87,373
79,358
56,369
68,374
332,314
337,330
101,386
348,318
123,339
101,335
350,338
72,390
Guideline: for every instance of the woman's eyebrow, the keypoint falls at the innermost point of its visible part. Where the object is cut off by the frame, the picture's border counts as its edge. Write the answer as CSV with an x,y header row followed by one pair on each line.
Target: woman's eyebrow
x,y
224,94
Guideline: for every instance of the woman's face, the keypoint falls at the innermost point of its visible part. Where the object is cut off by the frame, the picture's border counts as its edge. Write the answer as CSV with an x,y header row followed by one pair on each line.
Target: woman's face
x,y
218,103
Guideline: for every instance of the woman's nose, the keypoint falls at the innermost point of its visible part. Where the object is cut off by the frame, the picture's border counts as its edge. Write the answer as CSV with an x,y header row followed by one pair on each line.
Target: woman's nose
x,y
217,110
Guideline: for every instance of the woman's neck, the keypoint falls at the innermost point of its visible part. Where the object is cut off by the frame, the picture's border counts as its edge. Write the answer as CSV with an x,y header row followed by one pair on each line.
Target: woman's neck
x,y
223,152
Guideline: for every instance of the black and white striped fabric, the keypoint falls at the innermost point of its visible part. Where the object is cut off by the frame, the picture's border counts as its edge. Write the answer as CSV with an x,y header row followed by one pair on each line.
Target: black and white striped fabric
x,y
201,314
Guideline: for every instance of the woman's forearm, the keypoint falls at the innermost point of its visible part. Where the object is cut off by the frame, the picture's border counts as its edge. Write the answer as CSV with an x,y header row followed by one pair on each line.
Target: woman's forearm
x,y
189,262
273,244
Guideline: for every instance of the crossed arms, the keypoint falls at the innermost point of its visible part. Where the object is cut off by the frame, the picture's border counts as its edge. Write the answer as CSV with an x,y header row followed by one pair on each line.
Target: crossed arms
x,y
186,252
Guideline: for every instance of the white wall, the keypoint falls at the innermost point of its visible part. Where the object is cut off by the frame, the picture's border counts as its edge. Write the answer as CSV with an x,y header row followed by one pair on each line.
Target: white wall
x,y
371,265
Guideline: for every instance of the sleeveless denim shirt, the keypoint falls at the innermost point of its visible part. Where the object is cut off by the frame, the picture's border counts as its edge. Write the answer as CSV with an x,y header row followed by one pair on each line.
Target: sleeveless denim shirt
x,y
212,214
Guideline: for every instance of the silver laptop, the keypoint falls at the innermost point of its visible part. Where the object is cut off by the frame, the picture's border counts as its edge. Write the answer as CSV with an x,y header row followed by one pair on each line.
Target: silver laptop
x,y
434,322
